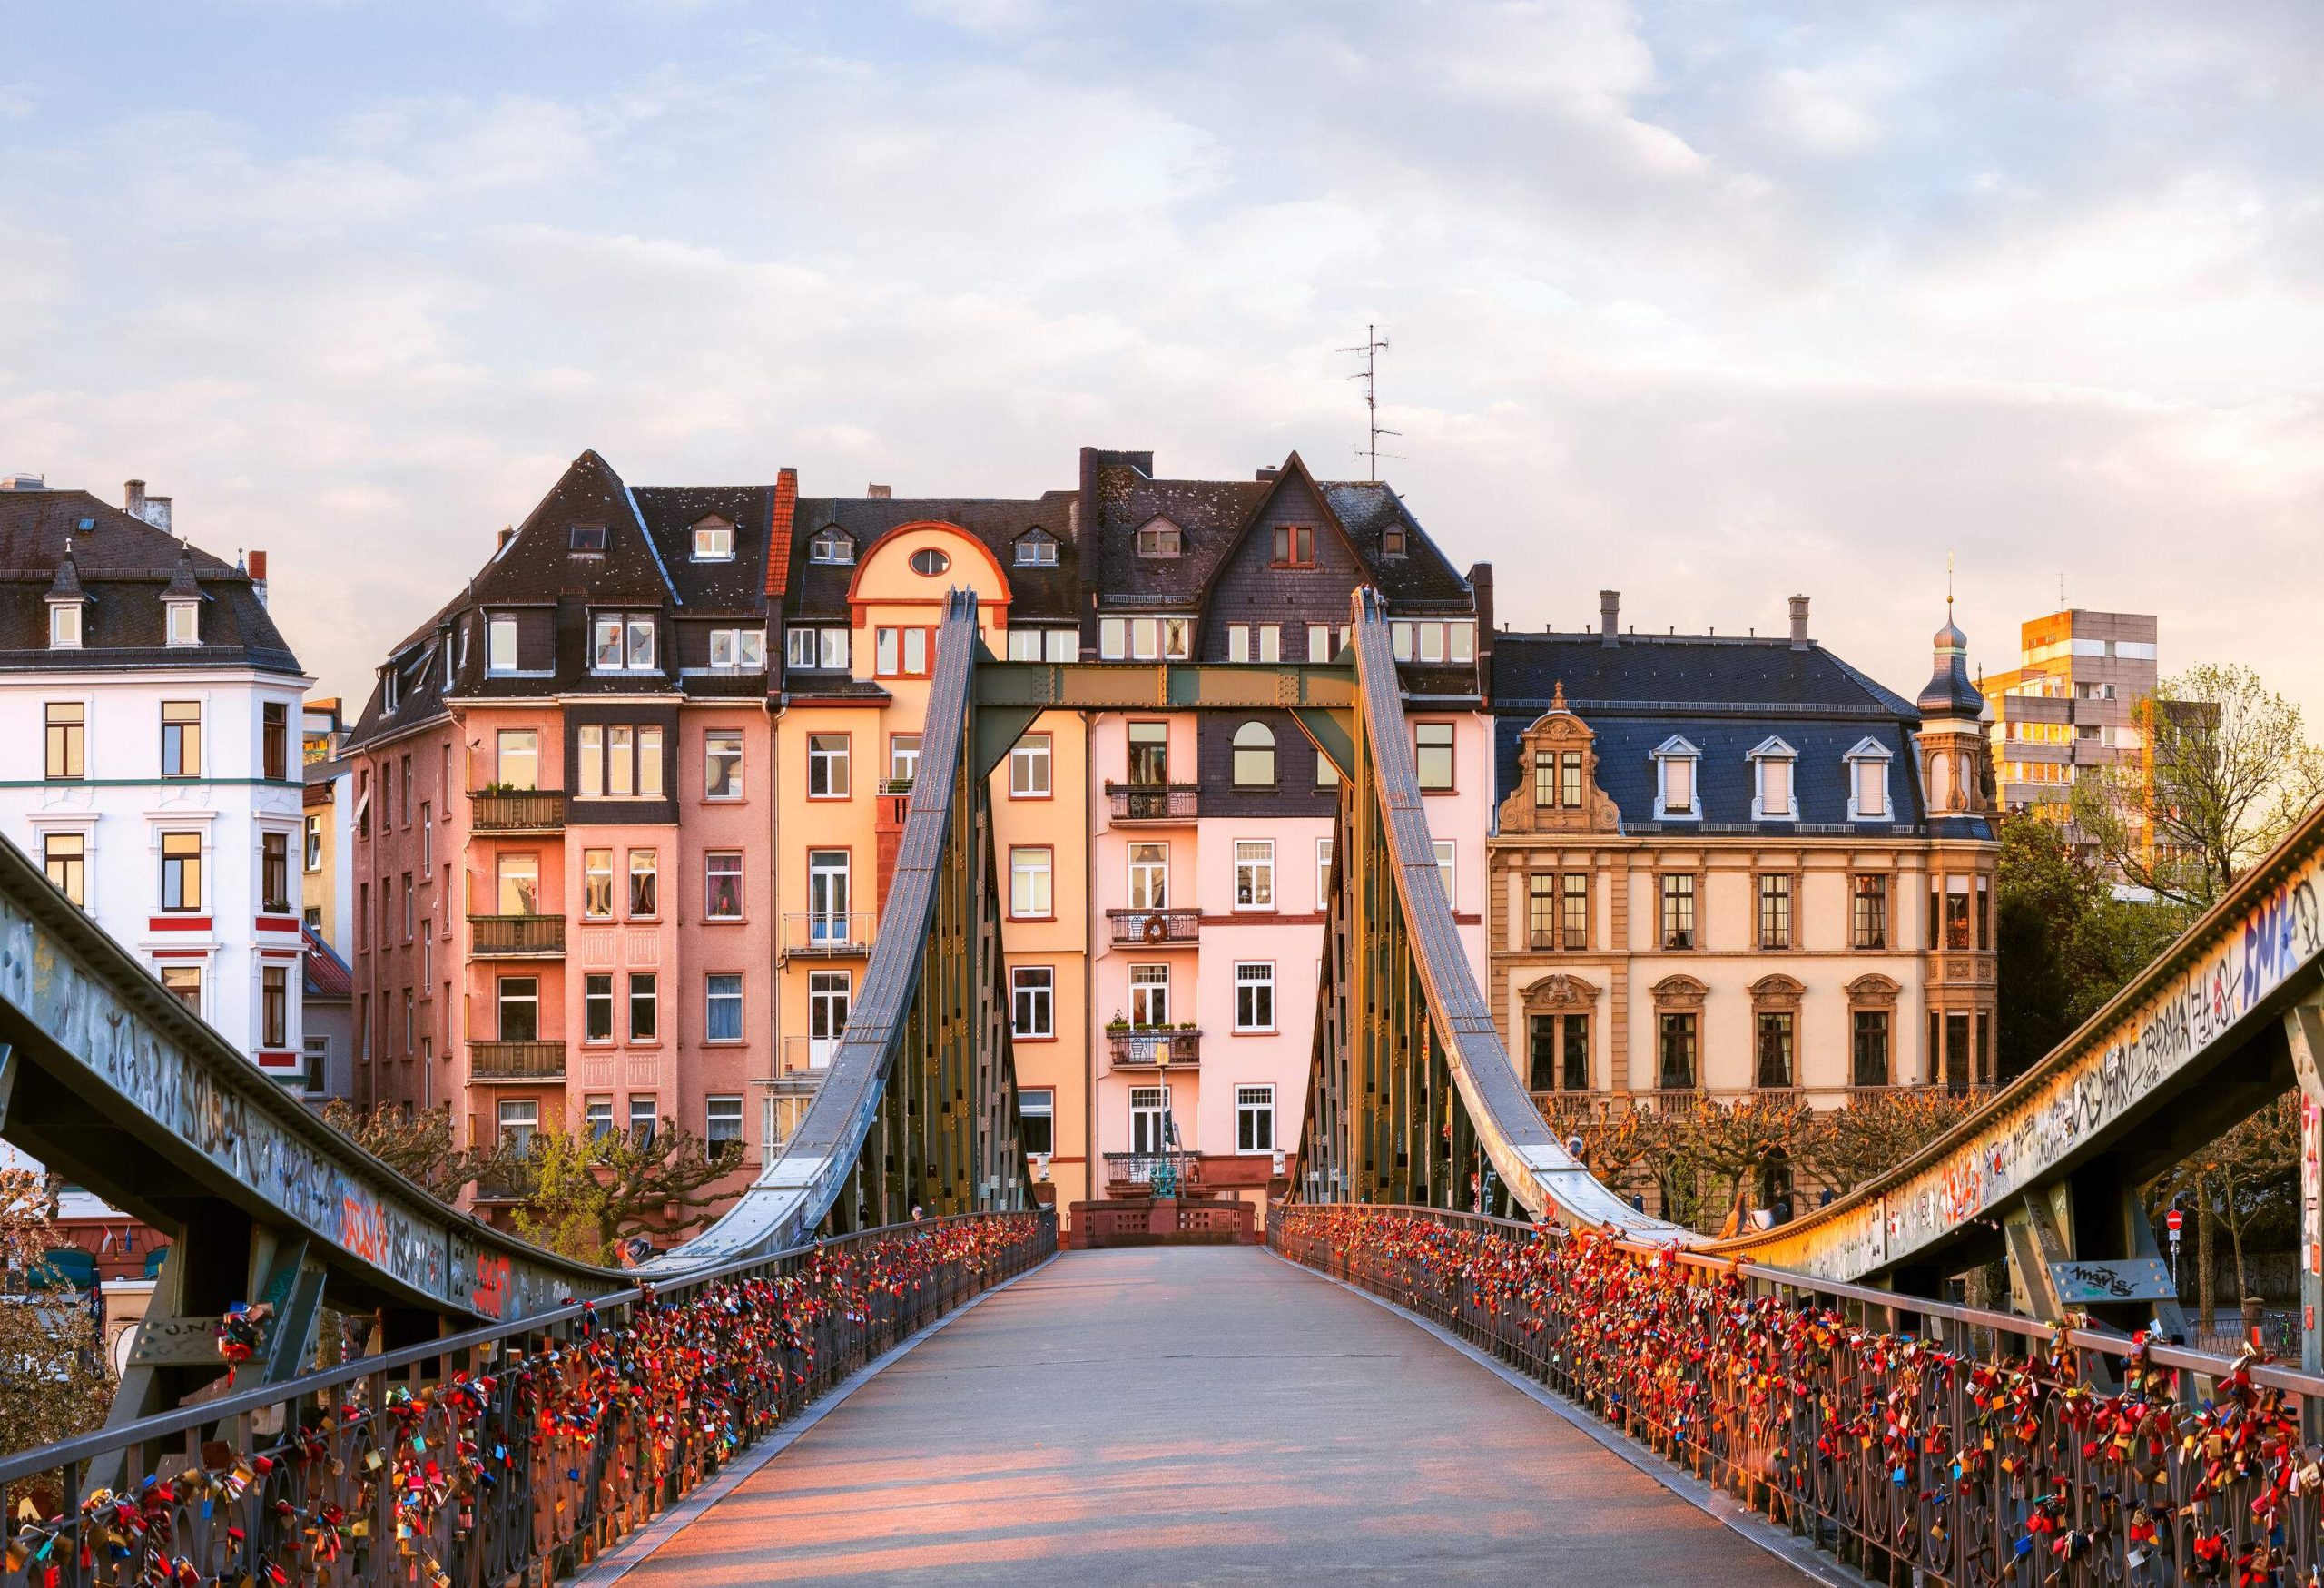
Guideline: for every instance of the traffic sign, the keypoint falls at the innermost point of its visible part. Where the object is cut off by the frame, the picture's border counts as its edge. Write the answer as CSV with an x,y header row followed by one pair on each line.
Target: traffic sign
x,y
2170,1220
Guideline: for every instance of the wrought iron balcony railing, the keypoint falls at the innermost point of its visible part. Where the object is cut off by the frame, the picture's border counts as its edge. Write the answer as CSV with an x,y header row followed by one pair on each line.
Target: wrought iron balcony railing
x,y
530,810
517,936
1153,802
1134,1048
516,1061
1157,926
1171,1169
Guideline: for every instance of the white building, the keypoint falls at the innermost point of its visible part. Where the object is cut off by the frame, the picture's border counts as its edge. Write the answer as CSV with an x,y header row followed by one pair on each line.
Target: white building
x,y
152,713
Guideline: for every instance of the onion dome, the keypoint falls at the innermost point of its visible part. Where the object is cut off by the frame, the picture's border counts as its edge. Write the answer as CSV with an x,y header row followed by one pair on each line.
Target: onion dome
x,y
1949,691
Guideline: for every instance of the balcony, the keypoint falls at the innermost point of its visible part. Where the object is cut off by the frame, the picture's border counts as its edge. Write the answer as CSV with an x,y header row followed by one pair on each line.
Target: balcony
x,y
517,937
516,1061
1152,803
529,810
1174,1049
829,934
1155,926
806,1059
1163,1172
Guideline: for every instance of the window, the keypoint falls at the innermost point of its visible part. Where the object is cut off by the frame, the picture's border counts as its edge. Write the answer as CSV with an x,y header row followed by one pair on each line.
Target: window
x,y
721,1123
315,1074
65,626
500,643
407,791
1150,1130
1254,996
274,741
183,982
1775,1047
1044,644
1948,913
620,761
1036,1120
1238,642
517,758
1869,925
1328,772
390,685
903,760
597,1007
901,653
1032,1001
827,1002
714,541
1295,546
597,1118
1254,757
1254,1119
1678,910
185,623
1558,1046
426,837
1775,910
722,765
827,891
518,880
644,873
1149,996
645,1118
928,562
182,870
1150,755
519,1119
827,774
833,544
1677,1051
642,1027
1432,755
1255,874
1433,642
1984,938
274,1007
1036,549
64,856
1323,874
1392,542
818,648
1319,642
1557,910
723,1007
519,1001
181,738
1029,768
1444,847
1869,782
1029,883
1674,792
274,871
598,884
1149,876
1145,640
738,650
721,871
622,642
585,537
408,915
1868,1055
1160,539
68,728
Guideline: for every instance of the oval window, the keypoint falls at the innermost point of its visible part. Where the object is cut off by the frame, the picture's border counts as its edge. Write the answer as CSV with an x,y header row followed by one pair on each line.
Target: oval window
x,y
930,561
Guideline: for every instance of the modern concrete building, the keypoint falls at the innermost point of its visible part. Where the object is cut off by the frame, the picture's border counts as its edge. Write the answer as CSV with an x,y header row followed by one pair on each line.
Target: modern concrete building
x,y
2071,703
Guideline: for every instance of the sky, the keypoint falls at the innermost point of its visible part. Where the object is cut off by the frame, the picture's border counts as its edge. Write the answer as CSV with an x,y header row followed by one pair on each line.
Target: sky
x,y
1708,302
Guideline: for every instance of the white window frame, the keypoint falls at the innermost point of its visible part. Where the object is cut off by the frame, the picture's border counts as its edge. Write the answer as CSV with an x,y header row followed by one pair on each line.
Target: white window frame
x,y
743,650
65,626
1036,549
1149,995
519,1118
1253,1104
1040,1102
721,1107
1772,752
831,1000
831,545
1676,748
1255,875
831,766
715,750
714,543
1032,889
1868,754
711,997
1323,875
500,643
1033,988
1268,980
1138,863
185,623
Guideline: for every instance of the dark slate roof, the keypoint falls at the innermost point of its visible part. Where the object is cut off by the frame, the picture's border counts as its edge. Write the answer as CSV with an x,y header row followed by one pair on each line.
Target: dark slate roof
x,y
123,566
819,590
538,565
705,590
1687,673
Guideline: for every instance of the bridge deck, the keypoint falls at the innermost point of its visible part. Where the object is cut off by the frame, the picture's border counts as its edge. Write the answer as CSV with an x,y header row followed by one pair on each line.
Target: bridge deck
x,y
1187,1415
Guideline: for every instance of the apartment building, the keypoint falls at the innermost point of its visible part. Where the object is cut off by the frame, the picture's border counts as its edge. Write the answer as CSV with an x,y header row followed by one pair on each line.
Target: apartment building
x,y
1727,865
563,823
1212,828
165,796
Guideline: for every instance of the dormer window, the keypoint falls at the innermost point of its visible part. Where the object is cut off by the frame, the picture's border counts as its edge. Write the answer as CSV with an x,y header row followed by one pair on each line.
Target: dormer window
x,y
1392,542
1869,782
622,642
831,545
65,626
1674,781
589,539
185,623
738,650
500,643
1036,549
1295,546
391,688
1774,797
714,541
1159,538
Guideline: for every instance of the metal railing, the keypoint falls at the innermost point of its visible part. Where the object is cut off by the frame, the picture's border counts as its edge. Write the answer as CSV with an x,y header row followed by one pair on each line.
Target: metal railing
x,y
516,936
532,809
1137,926
829,932
1920,1442
1132,1049
513,1452
516,1061
1153,802
1173,1169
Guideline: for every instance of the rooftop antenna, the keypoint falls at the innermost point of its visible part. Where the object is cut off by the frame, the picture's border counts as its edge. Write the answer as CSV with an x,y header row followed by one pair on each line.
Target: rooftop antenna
x,y
1375,344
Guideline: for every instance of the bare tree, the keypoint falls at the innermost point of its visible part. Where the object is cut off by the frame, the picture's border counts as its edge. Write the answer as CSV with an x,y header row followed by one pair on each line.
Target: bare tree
x,y
1847,1147
417,1144
2227,769
55,1376
583,1195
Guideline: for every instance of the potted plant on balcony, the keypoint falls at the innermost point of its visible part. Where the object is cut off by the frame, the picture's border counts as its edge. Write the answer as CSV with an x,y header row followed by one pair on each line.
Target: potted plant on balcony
x,y
1116,1026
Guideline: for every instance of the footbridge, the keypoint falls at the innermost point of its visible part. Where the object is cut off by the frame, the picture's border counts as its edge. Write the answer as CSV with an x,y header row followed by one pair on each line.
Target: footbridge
x,y
519,1413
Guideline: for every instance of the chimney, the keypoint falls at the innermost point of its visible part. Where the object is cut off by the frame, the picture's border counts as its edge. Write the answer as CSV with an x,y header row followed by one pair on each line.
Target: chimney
x,y
1609,612
1269,472
258,576
1799,623
507,533
879,493
1481,585
132,498
156,512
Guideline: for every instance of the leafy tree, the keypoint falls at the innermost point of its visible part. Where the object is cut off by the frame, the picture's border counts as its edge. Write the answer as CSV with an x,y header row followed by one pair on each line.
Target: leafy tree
x,y
55,1375
2246,1183
417,1144
584,1195
2228,772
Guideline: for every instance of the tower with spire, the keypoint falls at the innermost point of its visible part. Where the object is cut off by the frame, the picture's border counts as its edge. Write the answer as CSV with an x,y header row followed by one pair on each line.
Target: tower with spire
x,y
1952,737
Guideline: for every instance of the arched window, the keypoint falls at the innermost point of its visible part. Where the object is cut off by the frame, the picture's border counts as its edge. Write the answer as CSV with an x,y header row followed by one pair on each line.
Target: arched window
x,y
930,562
831,545
1254,757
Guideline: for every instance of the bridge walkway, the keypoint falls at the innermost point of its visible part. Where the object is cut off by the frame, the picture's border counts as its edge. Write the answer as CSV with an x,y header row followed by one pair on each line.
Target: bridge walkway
x,y
1195,1414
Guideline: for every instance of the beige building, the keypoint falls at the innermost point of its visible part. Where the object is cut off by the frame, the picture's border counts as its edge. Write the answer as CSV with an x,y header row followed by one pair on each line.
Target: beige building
x,y
1728,865
2071,703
